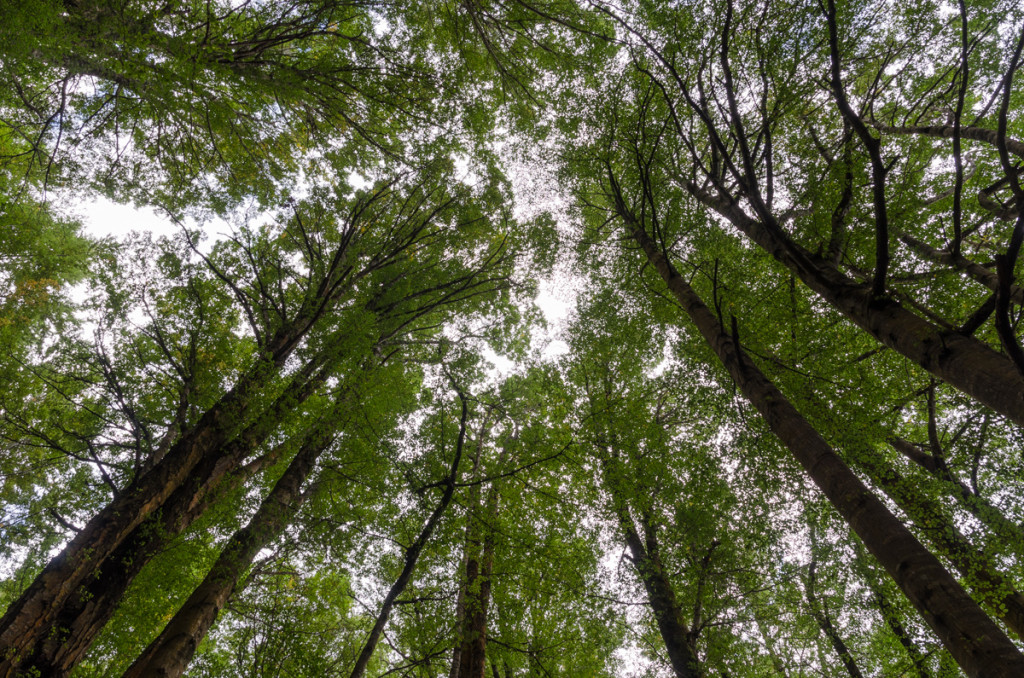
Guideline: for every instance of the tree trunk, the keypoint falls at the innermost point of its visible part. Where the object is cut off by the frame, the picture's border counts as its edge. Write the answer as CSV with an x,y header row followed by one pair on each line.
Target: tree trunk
x,y
170,653
84,613
412,553
824,620
29,619
479,566
679,641
470,655
970,365
977,644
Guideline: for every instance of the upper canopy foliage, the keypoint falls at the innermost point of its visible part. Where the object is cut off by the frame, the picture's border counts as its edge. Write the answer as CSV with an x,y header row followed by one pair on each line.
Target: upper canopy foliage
x,y
274,443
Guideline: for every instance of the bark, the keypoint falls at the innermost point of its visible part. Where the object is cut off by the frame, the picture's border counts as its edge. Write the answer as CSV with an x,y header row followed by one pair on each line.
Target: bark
x,y
460,622
679,642
470,654
412,553
678,638
821,615
29,620
977,568
170,653
974,640
470,564
472,649
966,363
83,615
92,606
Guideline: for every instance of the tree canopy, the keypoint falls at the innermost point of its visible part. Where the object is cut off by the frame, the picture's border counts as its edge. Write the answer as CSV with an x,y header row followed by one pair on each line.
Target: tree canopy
x,y
328,428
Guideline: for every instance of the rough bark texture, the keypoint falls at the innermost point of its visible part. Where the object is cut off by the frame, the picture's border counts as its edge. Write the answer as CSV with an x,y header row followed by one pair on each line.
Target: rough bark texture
x,y
973,639
170,653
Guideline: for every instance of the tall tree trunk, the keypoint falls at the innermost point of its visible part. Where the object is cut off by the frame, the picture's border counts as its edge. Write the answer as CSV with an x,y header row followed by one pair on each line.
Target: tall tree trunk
x,y
970,365
170,653
29,619
824,620
974,640
82,616
477,587
460,619
678,639
412,553
470,654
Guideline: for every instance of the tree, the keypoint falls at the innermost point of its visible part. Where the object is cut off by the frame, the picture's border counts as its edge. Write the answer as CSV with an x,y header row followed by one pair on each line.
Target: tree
x,y
784,439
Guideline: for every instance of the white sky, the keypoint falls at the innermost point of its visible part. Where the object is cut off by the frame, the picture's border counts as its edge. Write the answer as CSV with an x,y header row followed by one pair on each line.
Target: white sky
x,y
102,217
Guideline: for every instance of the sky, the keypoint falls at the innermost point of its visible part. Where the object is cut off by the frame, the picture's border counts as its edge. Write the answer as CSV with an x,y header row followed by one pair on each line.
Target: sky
x,y
102,218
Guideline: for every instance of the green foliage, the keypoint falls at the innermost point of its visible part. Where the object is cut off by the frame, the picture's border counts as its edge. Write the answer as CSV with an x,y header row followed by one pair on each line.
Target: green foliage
x,y
350,180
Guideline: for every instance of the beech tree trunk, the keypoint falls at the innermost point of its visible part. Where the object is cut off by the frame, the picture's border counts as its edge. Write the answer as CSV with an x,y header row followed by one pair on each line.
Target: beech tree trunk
x,y
824,620
84,613
412,553
678,638
973,639
476,591
170,653
970,365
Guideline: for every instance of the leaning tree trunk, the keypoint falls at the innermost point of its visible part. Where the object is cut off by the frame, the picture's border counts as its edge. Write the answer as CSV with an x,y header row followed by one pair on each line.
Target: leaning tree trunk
x,y
29,620
975,641
412,553
83,615
679,641
170,653
820,613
